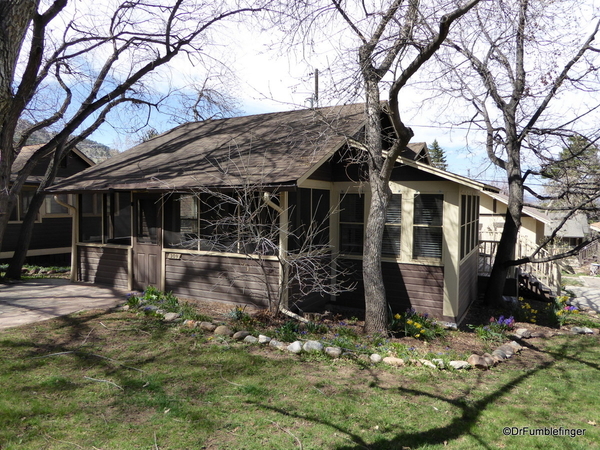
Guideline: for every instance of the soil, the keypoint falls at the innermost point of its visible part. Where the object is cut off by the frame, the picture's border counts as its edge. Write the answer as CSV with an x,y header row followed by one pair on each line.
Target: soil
x,y
463,341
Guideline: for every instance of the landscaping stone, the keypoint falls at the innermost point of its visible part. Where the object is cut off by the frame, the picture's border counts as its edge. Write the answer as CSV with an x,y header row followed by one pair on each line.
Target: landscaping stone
x,y
439,363
477,361
250,339
523,333
582,330
428,364
507,349
273,343
393,361
190,323
223,330
516,346
312,346
489,359
238,336
448,325
295,347
150,308
334,352
207,326
262,339
375,358
459,365
171,317
500,354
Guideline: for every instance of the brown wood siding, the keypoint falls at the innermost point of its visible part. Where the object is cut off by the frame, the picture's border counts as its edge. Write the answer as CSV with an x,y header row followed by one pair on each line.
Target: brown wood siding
x,y
98,265
220,278
407,286
49,233
467,284
323,172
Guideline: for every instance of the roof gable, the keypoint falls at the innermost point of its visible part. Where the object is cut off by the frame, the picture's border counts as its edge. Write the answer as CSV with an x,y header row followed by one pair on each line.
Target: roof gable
x,y
272,149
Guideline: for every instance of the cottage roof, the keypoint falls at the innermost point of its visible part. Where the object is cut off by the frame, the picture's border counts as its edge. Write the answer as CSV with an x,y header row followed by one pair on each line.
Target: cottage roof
x,y
274,149
527,210
575,227
27,152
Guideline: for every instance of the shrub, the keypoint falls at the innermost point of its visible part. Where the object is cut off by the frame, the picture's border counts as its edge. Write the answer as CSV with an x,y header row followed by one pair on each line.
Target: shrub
x,y
563,311
417,325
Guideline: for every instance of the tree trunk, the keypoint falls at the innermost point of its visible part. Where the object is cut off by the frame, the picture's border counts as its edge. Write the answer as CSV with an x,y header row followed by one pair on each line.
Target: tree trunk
x,y
376,309
15,17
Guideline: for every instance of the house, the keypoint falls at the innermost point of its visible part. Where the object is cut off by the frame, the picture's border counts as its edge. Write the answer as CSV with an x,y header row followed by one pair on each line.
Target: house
x,y
572,233
51,239
533,231
156,214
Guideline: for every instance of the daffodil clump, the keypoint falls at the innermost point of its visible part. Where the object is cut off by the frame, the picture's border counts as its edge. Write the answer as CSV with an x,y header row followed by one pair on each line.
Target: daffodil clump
x,y
526,313
563,311
416,324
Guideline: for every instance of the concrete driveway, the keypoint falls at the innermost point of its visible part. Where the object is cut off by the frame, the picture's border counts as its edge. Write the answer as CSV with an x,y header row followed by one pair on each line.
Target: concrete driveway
x,y
587,295
36,300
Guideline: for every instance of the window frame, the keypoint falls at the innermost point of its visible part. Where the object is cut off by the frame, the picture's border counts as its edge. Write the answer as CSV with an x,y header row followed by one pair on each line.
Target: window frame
x,y
420,226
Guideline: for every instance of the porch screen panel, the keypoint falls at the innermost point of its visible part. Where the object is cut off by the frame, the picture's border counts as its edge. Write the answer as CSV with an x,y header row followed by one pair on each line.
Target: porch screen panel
x,y
308,218
391,232
181,222
351,223
121,218
90,218
427,231
147,223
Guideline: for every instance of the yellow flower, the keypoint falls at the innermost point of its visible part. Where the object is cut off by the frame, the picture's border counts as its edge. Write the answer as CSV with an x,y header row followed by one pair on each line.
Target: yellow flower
x,y
409,321
417,335
397,316
533,320
418,325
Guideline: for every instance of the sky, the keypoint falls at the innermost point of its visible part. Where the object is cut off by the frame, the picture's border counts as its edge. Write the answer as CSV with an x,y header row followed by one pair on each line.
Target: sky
x,y
269,79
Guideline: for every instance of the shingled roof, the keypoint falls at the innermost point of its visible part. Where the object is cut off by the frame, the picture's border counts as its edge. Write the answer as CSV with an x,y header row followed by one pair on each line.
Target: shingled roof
x,y
272,149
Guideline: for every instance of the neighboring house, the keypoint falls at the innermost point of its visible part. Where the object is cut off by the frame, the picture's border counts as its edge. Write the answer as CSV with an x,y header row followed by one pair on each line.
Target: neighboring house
x,y
143,216
532,232
52,233
572,233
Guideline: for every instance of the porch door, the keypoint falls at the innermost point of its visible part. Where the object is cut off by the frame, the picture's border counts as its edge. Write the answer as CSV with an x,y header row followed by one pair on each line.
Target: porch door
x,y
147,244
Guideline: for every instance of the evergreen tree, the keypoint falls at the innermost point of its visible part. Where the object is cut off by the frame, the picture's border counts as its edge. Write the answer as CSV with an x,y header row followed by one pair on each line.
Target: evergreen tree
x,y
438,159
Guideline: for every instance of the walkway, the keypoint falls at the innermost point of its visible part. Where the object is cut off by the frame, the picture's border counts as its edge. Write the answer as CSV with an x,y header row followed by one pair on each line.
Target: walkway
x,y
36,300
587,295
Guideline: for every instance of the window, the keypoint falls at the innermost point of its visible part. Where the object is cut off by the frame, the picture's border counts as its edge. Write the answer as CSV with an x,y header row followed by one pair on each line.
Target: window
x,y
469,224
52,208
231,223
181,222
105,218
427,230
351,224
308,218
392,230
90,218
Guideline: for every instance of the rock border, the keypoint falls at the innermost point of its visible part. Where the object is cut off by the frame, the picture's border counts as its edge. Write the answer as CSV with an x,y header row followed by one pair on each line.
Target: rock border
x,y
482,362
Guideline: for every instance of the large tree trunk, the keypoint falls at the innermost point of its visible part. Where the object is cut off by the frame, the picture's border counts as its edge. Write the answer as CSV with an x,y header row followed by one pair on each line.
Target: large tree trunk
x,y
376,310
15,17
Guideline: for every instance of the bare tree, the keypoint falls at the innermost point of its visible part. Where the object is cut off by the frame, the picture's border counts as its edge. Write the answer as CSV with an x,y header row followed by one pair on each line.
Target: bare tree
x,y
391,42
92,64
517,63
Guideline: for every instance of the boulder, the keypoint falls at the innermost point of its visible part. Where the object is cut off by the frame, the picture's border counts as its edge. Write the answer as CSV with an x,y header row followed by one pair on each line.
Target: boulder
x,y
207,326
223,330
375,358
312,346
477,361
295,347
393,361
250,339
240,335
334,352
262,339
459,365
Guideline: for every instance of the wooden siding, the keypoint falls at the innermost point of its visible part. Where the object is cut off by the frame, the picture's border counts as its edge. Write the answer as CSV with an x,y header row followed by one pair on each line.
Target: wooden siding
x,y
49,233
407,286
220,278
101,265
467,284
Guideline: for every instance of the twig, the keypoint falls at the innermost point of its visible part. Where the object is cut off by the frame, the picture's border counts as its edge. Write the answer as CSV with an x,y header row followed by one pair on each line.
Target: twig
x,y
104,381
52,354
86,338
62,442
288,432
230,382
155,444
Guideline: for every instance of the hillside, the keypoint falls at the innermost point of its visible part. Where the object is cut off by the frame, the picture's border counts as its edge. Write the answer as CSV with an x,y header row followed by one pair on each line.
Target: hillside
x,y
96,151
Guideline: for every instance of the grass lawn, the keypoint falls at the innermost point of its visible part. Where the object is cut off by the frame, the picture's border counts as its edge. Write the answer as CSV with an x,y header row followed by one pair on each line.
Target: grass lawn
x,y
119,380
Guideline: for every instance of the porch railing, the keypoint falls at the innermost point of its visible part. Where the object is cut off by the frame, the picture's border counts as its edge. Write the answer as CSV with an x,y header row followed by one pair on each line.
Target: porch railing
x,y
548,273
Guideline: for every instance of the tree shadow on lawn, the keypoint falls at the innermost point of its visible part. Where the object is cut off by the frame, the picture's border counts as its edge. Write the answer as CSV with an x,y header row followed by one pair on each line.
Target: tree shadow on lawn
x,y
460,426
